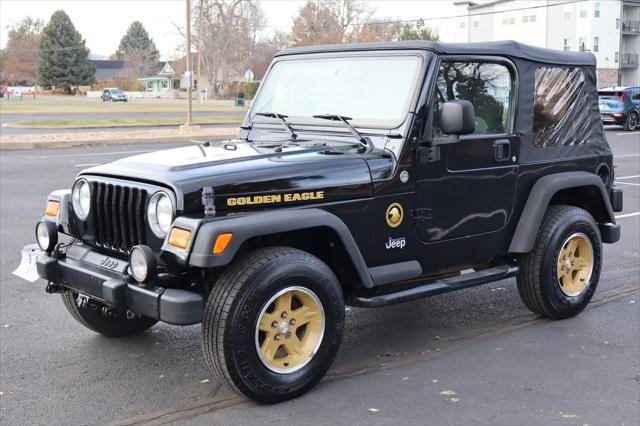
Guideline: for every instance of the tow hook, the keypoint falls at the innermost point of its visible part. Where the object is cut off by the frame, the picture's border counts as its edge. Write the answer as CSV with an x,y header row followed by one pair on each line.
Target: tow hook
x,y
108,312
53,288
130,314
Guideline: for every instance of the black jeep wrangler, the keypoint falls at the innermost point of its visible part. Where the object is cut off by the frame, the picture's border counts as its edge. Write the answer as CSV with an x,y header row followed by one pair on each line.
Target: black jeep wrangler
x,y
364,174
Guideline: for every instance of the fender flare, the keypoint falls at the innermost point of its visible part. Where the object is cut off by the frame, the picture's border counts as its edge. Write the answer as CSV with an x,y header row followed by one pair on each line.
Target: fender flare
x,y
266,223
541,194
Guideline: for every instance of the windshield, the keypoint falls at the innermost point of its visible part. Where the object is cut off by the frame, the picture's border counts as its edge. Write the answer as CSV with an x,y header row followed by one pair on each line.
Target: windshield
x,y
373,91
116,92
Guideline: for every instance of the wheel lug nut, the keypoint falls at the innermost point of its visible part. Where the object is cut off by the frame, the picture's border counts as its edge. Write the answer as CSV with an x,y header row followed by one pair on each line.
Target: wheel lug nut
x,y
292,322
288,335
276,337
284,315
274,324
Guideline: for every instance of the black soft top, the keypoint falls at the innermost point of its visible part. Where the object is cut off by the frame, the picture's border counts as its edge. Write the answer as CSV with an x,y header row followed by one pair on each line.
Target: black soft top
x,y
506,48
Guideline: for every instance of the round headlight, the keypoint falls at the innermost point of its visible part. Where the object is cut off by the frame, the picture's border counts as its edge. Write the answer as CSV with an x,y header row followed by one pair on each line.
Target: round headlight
x,y
81,198
160,213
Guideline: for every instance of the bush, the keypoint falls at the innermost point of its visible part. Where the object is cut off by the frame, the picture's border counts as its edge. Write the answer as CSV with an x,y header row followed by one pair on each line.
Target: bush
x,y
249,89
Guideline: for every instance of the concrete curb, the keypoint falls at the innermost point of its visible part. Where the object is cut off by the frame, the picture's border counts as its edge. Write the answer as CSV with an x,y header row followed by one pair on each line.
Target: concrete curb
x,y
12,146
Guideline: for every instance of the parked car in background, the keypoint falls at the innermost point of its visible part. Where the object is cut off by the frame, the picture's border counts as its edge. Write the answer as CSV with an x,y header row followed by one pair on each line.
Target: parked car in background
x,y
620,105
113,94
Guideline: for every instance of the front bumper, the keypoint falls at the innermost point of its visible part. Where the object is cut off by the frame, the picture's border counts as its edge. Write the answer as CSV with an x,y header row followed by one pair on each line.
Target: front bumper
x,y
104,278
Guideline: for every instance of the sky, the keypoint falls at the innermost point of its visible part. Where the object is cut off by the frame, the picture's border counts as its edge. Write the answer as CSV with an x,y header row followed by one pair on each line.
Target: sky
x,y
103,22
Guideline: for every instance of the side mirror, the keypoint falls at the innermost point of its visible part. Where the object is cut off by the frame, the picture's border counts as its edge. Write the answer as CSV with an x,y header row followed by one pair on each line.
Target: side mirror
x,y
457,118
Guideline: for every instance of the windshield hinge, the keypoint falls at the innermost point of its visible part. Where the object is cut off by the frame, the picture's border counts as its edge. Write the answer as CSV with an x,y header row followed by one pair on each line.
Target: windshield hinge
x,y
208,201
428,154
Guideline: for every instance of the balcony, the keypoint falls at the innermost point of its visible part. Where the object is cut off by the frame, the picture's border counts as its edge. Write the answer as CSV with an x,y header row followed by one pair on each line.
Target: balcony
x,y
631,27
629,60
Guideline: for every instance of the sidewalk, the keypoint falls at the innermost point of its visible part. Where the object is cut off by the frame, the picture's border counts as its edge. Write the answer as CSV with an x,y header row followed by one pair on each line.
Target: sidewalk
x,y
76,139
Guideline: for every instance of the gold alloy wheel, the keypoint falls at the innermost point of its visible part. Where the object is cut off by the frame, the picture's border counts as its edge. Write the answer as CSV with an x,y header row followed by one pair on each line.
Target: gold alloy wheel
x,y
575,264
290,329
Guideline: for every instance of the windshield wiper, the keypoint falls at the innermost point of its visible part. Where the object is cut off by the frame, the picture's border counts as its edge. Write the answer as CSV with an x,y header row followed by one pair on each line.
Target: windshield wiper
x,y
280,117
366,142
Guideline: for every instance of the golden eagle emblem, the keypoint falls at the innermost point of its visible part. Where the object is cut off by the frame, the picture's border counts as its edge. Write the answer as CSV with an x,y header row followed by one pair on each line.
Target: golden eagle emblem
x,y
394,215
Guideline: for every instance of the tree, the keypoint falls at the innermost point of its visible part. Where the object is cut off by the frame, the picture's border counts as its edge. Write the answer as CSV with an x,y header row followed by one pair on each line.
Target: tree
x,y
329,21
64,57
226,33
418,31
138,51
377,30
316,24
20,57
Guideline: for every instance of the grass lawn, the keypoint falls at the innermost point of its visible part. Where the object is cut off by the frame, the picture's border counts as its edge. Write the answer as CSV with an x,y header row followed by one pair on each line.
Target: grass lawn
x,y
80,104
124,122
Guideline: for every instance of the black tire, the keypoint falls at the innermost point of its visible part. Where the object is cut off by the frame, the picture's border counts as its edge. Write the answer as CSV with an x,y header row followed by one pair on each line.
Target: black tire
x,y
91,317
538,282
631,123
235,304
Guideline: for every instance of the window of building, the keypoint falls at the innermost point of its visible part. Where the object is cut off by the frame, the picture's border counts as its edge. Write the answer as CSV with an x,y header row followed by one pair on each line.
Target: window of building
x,y
567,15
488,86
596,10
567,44
532,18
596,44
582,44
561,107
616,58
525,18
463,25
512,21
583,13
476,24
617,23
505,21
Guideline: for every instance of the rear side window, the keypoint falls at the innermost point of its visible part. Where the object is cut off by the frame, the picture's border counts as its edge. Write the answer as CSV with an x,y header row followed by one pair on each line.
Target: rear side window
x,y
561,107
488,86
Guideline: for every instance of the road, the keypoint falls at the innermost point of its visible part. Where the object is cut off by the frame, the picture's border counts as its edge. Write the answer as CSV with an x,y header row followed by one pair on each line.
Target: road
x,y
397,365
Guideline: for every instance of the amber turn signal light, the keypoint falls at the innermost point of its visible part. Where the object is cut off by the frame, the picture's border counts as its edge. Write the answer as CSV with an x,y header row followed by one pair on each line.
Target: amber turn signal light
x,y
53,208
179,237
222,242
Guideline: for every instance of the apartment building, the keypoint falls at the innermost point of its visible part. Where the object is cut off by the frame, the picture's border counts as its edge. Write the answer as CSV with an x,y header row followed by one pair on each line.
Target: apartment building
x,y
610,29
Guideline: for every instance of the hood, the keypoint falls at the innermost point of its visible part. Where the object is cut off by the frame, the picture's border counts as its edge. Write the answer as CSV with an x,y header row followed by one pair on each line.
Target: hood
x,y
247,176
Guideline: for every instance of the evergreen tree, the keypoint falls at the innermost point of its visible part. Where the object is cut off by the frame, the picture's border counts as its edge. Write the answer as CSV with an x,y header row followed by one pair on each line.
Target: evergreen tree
x,y
136,39
138,51
419,31
64,57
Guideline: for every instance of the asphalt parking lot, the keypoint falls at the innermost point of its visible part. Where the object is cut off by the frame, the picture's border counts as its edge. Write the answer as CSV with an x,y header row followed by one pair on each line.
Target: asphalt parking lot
x,y
470,357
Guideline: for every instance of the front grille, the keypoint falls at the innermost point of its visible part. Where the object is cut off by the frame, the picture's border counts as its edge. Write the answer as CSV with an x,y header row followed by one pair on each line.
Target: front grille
x,y
118,215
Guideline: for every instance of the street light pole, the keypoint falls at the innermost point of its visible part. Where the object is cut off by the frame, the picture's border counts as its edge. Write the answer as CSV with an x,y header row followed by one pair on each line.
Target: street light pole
x,y
189,75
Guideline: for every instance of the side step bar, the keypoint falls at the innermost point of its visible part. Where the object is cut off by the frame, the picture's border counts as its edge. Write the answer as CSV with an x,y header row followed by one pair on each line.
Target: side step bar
x,y
432,288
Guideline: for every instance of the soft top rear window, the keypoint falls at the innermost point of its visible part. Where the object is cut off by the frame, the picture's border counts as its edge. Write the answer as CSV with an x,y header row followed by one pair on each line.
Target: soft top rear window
x,y
561,107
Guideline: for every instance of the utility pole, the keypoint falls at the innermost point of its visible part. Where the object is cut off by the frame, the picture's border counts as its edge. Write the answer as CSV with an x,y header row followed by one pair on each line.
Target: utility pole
x,y
188,74
199,51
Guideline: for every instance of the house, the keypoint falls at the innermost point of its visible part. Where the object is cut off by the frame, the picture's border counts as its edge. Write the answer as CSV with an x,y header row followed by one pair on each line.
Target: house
x,y
168,79
108,70
610,29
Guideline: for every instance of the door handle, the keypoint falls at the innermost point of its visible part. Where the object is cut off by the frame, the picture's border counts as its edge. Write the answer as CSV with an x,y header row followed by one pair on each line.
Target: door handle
x,y
501,150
